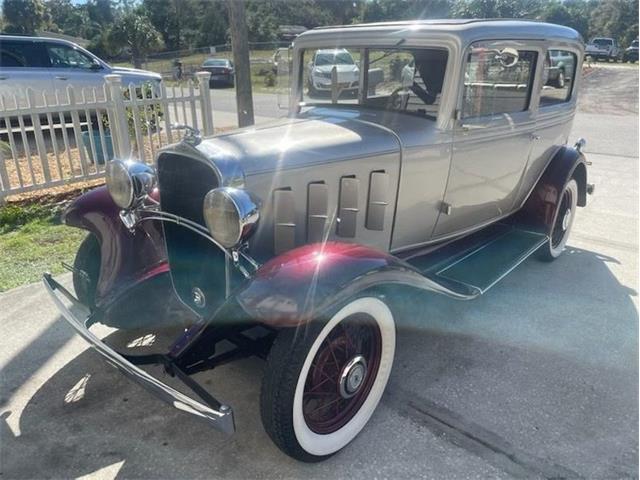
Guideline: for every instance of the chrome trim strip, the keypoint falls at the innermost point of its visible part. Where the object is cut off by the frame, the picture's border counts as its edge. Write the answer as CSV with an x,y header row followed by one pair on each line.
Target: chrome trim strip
x,y
200,230
221,419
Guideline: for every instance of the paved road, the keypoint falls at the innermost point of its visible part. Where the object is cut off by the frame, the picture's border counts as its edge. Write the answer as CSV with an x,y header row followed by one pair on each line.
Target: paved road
x,y
538,378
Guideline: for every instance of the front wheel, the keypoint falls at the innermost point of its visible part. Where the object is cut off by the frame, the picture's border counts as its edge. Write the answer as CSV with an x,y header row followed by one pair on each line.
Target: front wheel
x,y
324,380
562,222
86,270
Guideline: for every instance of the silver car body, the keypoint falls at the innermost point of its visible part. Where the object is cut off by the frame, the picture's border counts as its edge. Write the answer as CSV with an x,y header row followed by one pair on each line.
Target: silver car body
x,y
320,74
49,78
389,179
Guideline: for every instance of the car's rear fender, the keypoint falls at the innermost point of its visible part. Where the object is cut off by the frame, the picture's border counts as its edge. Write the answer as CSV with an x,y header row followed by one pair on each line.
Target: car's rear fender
x,y
566,164
126,257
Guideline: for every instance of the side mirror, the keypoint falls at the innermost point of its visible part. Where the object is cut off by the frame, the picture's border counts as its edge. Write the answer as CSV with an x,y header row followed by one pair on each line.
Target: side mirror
x,y
95,66
508,57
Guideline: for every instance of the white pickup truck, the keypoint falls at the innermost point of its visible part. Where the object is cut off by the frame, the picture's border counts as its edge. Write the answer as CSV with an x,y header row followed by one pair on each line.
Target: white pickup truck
x,y
603,48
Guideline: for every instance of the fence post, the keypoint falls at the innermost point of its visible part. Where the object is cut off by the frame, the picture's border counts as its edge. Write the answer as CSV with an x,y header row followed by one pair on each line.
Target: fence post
x,y
205,102
119,131
5,185
37,132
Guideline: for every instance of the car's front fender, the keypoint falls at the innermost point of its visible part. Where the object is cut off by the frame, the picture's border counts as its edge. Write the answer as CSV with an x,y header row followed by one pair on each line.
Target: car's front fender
x,y
304,283
126,257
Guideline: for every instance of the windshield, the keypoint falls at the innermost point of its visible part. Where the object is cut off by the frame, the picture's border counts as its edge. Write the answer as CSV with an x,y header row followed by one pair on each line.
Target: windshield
x,y
338,58
406,80
602,42
215,62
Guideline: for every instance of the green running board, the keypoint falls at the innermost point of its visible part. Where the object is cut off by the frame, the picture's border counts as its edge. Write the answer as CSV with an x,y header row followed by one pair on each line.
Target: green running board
x,y
480,261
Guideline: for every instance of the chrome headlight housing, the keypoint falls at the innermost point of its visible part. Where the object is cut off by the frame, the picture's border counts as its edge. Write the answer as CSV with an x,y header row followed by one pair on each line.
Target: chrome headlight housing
x,y
231,215
129,182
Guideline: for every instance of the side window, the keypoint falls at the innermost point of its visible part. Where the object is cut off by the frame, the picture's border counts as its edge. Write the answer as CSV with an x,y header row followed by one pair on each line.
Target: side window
x,y
20,54
558,77
63,56
494,84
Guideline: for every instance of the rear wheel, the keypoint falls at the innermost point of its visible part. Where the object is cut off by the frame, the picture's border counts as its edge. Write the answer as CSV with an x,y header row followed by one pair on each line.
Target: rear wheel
x,y
562,222
86,270
323,381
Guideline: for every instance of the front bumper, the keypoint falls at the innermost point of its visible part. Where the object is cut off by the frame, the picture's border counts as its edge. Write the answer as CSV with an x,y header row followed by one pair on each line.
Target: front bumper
x,y
217,415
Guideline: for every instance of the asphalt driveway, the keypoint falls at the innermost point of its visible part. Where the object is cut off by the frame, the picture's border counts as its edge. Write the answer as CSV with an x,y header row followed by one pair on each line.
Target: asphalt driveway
x,y
538,378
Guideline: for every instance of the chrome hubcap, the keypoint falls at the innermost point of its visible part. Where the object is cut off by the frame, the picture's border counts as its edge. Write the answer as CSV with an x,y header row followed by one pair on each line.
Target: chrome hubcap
x,y
352,376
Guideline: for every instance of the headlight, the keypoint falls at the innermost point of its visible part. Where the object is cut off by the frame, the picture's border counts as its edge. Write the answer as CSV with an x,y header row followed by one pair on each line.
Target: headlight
x,y
129,182
231,215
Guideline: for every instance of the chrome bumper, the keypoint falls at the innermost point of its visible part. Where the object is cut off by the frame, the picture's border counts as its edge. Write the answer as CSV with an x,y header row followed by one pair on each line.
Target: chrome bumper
x,y
219,416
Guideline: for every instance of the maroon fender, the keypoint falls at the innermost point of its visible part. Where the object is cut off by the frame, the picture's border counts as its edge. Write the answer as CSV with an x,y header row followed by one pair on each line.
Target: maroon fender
x,y
539,208
126,257
306,282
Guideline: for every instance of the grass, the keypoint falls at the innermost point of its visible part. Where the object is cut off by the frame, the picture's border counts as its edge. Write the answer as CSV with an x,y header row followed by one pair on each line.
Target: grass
x,y
32,241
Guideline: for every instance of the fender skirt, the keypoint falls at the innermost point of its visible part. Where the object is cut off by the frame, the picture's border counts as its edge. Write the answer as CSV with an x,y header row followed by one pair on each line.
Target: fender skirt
x,y
537,212
304,283
126,257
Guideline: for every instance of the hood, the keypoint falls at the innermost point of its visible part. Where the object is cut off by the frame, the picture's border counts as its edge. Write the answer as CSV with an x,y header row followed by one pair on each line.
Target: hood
x,y
136,72
311,139
339,68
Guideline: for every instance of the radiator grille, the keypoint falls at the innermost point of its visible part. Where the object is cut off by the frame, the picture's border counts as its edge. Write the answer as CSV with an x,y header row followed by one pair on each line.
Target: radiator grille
x,y
194,261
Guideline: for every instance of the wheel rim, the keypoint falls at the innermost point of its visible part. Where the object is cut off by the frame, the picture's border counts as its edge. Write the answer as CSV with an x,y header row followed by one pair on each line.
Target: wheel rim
x,y
341,374
563,219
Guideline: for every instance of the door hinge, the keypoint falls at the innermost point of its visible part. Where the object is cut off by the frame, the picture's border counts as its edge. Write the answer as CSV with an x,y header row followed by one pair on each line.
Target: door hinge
x,y
445,208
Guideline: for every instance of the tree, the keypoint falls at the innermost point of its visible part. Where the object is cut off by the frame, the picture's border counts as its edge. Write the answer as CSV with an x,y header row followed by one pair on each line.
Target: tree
x,y
497,8
24,17
134,32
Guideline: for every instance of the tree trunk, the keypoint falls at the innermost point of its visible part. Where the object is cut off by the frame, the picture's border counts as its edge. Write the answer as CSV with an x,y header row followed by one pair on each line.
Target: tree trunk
x,y
240,47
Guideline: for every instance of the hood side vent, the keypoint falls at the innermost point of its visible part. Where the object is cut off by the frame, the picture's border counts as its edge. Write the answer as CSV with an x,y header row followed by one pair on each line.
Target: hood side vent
x,y
377,204
348,207
284,212
317,209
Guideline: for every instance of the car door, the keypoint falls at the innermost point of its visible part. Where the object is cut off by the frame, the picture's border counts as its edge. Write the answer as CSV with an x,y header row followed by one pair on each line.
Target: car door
x,y
72,67
23,64
492,136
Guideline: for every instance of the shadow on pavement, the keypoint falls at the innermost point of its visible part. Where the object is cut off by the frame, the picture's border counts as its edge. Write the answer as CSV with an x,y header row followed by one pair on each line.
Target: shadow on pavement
x,y
538,377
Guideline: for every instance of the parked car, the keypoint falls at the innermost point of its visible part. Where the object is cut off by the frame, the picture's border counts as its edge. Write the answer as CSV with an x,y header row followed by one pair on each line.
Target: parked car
x,y
48,64
320,69
561,67
602,48
631,52
283,241
222,71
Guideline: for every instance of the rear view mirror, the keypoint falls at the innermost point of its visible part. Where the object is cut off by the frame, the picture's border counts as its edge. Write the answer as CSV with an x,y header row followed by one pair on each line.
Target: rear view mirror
x,y
282,61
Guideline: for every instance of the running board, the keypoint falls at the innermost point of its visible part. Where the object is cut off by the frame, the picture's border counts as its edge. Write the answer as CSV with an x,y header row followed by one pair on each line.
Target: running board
x,y
479,261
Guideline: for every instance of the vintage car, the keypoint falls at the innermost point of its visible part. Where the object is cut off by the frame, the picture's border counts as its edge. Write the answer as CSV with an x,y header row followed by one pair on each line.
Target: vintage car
x,y
286,241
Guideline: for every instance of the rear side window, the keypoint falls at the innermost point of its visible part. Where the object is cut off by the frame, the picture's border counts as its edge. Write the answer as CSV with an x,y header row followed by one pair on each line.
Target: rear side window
x,y
558,77
494,84
21,54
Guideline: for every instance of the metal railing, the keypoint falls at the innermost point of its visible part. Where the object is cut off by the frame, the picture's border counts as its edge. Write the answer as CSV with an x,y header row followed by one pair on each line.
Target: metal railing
x,y
56,138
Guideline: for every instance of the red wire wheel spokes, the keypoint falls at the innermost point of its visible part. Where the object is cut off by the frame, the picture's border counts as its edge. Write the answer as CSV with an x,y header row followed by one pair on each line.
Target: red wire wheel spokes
x,y
342,374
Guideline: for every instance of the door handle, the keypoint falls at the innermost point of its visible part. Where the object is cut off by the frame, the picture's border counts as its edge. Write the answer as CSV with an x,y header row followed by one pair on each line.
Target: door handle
x,y
3,77
535,136
60,77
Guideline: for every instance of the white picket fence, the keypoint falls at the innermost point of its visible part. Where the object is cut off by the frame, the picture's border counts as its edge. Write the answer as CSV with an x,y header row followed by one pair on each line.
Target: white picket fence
x,y
57,138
